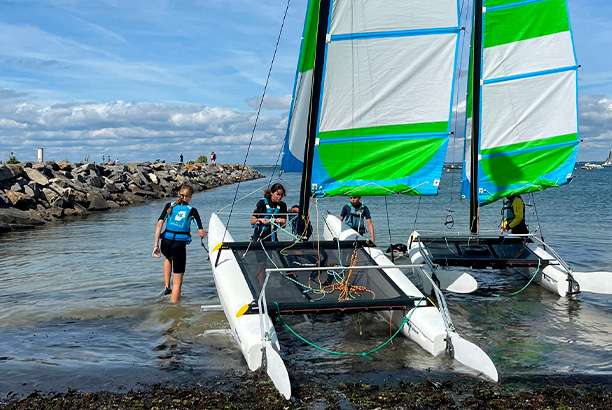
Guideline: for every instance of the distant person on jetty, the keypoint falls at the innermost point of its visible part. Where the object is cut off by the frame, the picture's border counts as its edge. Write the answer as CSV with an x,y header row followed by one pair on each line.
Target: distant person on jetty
x,y
213,158
307,232
514,215
181,158
175,238
356,215
265,211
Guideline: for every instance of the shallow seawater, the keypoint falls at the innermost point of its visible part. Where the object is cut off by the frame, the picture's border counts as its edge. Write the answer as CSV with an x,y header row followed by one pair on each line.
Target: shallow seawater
x,y
81,302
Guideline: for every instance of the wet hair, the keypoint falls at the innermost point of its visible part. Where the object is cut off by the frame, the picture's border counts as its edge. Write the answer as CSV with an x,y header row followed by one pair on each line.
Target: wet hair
x,y
274,188
186,190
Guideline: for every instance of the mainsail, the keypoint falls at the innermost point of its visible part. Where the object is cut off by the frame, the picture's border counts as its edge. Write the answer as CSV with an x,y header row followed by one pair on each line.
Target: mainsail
x,y
386,98
528,128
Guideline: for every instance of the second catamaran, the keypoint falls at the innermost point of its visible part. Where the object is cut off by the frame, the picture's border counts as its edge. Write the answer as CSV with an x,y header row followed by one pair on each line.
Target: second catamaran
x,y
522,137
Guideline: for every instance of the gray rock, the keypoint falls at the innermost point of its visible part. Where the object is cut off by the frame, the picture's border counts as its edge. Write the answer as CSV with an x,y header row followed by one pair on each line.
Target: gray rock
x,y
20,200
4,201
5,173
50,194
12,219
31,191
37,176
96,203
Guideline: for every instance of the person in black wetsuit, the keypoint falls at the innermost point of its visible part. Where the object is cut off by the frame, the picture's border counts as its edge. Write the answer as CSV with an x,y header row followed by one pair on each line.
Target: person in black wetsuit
x,y
178,217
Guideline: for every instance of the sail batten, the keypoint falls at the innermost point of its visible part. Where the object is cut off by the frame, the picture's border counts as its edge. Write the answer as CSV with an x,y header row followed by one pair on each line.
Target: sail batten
x,y
401,33
529,75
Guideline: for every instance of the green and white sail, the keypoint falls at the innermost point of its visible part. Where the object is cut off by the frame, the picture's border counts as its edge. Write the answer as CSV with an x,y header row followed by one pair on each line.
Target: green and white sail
x,y
386,99
528,99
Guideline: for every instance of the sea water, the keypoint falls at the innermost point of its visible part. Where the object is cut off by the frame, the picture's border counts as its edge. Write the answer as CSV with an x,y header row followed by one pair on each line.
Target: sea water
x,y
81,303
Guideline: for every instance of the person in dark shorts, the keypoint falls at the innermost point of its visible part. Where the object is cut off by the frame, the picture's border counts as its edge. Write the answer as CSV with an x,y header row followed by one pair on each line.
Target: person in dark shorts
x,y
178,217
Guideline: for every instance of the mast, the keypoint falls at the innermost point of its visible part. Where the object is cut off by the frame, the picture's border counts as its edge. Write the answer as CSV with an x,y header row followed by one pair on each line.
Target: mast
x,y
313,115
477,45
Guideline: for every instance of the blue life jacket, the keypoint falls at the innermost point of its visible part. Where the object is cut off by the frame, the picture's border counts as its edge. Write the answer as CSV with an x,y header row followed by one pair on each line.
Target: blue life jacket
x,y
262,231
355,218
178,224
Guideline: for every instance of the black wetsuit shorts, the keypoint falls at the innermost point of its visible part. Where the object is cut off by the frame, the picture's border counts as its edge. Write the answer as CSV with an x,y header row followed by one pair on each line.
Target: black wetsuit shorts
x,y
176,251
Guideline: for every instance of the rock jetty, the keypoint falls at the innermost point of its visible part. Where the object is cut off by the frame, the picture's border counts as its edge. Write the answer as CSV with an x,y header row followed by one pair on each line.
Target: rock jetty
x,y
33,194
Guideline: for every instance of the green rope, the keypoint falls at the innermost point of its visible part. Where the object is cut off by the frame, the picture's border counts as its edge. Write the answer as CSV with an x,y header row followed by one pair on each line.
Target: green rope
x,y
364,354
524,287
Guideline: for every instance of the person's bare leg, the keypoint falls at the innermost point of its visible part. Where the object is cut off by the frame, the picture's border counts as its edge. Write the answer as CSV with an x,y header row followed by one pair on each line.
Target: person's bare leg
x,y
177,282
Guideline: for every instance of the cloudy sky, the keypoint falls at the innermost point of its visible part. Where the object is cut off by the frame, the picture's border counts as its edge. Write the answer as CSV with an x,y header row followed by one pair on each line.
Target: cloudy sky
x,y
151,79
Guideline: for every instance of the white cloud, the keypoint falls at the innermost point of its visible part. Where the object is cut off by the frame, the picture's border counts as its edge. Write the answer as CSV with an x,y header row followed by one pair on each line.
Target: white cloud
x,y
134,131
271,102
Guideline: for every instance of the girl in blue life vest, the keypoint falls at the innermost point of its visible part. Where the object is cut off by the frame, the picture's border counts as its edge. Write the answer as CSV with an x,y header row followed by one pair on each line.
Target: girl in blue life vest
x,y
175,238
356,215
266,209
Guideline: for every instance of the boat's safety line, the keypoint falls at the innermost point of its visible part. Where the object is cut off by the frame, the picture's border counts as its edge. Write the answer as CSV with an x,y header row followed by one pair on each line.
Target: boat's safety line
x,y
256,120
367,354
524,287
258,189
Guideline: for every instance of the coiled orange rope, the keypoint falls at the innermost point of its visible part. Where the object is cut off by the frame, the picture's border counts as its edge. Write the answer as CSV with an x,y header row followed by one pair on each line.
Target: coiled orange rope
x,y
344,286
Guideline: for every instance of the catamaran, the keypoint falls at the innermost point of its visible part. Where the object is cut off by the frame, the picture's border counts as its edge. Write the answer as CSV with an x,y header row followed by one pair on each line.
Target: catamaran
x,y
522,137
608,161
370,115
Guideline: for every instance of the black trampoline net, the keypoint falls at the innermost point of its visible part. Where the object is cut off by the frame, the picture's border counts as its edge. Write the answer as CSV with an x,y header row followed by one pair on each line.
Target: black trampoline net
x,y
495,252
314,290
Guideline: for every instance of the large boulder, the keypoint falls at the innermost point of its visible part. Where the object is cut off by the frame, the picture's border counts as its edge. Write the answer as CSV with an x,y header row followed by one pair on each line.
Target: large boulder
x,y
12,219
20,200
96,202
37,176
5,173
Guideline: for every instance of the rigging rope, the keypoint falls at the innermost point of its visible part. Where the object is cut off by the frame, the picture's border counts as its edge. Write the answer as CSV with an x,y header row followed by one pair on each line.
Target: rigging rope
x,y
363,354
389,228
524,287
535,210
257,118
416,216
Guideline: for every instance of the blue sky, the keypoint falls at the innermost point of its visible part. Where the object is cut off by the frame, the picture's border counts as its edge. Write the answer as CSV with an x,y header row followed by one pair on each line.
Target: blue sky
x,y
142,80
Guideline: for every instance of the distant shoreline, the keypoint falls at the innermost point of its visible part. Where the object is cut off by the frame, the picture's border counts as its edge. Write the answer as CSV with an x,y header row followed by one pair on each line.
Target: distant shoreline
x,y
33,194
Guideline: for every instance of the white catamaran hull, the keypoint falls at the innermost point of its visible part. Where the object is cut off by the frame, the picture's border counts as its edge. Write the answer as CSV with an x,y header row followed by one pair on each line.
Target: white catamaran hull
x,y
552,276
234,293
426,326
